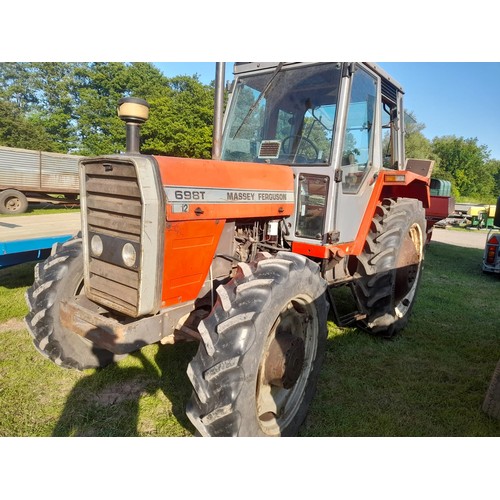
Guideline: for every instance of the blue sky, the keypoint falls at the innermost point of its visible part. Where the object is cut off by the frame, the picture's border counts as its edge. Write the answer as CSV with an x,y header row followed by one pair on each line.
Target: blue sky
x,y
450,98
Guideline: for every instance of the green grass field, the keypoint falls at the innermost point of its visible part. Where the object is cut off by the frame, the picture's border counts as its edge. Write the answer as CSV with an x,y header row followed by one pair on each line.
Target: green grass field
x,y
429,381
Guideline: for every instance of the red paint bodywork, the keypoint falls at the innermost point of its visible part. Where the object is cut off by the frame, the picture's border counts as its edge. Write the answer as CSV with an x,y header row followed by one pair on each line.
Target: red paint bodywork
x,y
413,186
192,236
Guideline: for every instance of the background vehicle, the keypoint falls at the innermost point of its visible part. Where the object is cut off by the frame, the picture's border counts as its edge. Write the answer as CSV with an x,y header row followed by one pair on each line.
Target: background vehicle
x,y
246,251
27,175
491,264
491,257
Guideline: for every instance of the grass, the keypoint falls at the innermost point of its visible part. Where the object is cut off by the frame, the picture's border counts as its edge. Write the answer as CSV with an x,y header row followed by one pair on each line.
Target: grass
x,y
429,381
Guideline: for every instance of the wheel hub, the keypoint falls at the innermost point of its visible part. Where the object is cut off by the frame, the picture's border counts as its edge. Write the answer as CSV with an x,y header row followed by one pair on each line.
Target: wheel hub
x,y
12,204
285,360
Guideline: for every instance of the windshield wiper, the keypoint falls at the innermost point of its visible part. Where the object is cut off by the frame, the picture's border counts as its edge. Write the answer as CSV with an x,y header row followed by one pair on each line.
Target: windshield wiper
x,y
264,92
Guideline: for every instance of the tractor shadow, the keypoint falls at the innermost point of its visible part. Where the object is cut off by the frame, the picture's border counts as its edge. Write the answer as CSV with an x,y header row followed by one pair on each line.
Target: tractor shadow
x,y
109,402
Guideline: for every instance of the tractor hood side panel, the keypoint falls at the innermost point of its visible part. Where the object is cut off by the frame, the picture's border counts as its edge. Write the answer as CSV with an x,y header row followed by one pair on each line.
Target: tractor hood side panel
x,y
208,189
201,195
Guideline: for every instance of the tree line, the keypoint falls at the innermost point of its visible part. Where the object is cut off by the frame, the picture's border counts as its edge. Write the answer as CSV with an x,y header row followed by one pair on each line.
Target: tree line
x,y
474,175
71,107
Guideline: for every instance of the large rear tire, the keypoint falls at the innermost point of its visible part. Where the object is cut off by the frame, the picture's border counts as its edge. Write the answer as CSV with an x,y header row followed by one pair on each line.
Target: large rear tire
x,y
58,278
389,269
256,370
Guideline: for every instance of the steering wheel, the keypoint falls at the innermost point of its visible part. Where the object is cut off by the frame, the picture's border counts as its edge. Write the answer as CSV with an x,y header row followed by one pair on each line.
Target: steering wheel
x,y
303,149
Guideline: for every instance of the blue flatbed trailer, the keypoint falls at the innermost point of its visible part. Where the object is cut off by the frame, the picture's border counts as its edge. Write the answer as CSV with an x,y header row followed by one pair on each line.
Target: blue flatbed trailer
x,y
26,238
17,252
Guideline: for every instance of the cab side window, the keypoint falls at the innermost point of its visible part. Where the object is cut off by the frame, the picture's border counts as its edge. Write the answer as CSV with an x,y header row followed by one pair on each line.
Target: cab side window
x,y
389,133
358,140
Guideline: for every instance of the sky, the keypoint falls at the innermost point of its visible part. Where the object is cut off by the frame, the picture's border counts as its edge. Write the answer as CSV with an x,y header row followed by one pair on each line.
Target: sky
x,y
449,98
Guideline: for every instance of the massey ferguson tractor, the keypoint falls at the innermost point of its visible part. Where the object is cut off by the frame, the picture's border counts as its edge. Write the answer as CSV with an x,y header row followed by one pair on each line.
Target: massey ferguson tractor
x,y
308,194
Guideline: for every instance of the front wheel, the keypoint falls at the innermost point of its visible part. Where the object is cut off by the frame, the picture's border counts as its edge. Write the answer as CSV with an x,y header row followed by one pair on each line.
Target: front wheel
x,y
255,373
58,278
390,267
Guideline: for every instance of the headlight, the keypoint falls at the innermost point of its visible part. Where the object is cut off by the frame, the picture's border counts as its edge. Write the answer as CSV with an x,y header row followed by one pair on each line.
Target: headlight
x,y
129,255
96,246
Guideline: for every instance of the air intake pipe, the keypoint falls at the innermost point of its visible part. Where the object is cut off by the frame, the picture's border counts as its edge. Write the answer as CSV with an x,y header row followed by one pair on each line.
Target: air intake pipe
x,y
134,112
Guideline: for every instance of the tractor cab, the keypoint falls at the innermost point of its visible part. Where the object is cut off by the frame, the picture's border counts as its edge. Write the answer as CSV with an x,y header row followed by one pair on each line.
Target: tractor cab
x,y
335,124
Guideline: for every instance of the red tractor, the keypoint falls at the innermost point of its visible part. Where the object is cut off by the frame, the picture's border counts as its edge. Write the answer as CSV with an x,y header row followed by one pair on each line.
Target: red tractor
x,y
308,192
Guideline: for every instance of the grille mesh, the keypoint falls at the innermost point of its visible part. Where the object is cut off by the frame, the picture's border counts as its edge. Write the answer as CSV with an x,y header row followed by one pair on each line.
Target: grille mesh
x,y
269,149
113,211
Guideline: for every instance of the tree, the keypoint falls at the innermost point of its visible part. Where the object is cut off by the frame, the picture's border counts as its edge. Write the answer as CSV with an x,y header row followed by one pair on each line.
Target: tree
x,y
181,122
17,84
16,131
494,168
100,86
416,144
55,90
44,93
467,162
76,102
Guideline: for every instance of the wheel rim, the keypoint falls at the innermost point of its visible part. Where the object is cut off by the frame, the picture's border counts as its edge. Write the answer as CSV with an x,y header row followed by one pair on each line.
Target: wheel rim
x,y
286,365
13,203
408,269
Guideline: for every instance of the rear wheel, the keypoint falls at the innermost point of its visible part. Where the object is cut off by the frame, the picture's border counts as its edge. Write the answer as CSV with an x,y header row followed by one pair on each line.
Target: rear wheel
x,y
256,371
390,267
13,202
58,278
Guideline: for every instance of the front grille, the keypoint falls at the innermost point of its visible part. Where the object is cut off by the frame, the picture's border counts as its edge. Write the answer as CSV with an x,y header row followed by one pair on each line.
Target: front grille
x,y
113,212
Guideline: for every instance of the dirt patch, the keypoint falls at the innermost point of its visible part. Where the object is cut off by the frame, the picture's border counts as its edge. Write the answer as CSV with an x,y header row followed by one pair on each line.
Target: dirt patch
x,y
13,324
468,239
122,391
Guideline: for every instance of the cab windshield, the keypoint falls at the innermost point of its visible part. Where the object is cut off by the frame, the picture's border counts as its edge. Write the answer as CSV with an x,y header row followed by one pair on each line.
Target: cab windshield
x,y
284,116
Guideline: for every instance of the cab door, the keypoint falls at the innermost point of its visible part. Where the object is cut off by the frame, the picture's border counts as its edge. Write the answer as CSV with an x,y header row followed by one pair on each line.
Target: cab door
x,y
361,158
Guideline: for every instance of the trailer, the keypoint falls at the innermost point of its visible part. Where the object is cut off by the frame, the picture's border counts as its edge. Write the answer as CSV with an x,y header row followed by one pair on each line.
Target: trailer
x,y
30,238
13,253
36,176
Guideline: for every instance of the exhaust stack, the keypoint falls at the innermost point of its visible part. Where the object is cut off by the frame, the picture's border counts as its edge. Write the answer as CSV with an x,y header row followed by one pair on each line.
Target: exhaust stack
x,y
218,110
134,112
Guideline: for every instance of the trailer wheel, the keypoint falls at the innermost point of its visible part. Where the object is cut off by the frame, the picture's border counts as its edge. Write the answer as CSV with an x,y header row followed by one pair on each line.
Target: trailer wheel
x,y
13,202
57,278
491,403
256,370
390,267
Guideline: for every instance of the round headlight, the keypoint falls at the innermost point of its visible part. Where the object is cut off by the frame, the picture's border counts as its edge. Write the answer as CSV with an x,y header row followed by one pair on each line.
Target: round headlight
x,y
96,245
129,255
